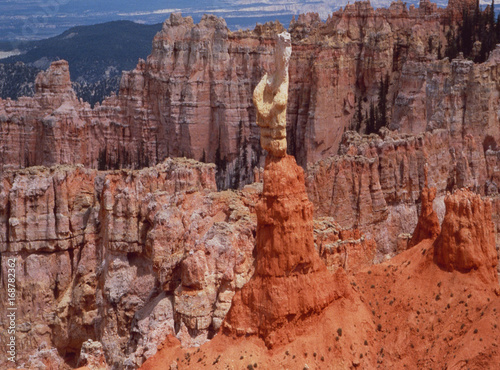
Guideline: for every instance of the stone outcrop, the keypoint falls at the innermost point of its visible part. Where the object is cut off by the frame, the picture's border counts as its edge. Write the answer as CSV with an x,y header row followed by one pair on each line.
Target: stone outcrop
x,y
375,182
342,248
53,87
455,95
126,258
467,239
92,356
290,282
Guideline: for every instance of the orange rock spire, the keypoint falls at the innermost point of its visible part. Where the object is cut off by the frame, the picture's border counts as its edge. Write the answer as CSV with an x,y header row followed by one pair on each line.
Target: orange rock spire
x,y
467,239
290,281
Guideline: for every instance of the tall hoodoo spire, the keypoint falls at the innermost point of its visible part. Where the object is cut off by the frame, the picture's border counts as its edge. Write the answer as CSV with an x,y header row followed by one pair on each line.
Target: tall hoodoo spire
x,y
290,282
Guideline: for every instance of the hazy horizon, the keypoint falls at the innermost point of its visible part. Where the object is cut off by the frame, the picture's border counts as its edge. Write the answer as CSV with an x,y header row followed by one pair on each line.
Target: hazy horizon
x,y
39,19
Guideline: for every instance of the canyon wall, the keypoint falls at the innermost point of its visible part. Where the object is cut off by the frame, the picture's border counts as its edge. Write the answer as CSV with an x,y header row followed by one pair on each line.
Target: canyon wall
x,y
374,183
192,96
445,117
121,257
127,257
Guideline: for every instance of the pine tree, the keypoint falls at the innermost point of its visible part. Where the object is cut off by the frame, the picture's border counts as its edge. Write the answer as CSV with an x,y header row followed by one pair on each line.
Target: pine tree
x,y
493,27
491,16
358,117
466,41
487,34
478,26
370,125
498,28
382,103
451,50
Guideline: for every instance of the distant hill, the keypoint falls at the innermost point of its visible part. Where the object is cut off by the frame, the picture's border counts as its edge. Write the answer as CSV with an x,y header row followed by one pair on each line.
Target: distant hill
x,y
97,55
93,52
17,80
36,20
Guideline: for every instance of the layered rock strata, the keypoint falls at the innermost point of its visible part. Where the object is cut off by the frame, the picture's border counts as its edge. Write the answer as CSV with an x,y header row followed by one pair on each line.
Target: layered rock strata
x,y
409,311
124,258
290,280
375,182
342,248
192,96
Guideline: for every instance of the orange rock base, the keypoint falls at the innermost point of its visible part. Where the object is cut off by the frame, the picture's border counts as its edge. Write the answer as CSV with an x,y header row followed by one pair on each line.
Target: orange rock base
x,y
290,281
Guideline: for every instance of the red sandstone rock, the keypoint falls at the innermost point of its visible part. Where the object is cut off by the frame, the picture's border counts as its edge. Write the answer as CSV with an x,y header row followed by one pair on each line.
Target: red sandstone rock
x,y
467,239
290,280
92,356
103,222
342,248
409,314
55,80
374,182
100,256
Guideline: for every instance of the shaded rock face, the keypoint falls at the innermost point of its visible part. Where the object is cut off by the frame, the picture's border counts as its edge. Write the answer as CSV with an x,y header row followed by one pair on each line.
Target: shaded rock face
x,y
290,280
467,239
428,226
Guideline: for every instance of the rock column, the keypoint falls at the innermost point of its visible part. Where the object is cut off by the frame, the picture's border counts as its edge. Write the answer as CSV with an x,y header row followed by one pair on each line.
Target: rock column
x,y
290,281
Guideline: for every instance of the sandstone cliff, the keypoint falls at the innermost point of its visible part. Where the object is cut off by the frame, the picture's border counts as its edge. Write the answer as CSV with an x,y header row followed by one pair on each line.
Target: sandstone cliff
x,y
374,184
192,97
122,257
126,258
129,257
436,304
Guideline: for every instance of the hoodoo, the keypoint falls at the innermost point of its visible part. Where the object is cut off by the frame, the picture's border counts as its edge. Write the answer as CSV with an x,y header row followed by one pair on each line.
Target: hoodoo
x,y
290,281
467,239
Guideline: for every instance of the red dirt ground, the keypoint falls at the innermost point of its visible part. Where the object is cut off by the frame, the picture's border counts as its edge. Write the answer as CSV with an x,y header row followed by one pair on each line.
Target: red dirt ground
x,y
404,313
